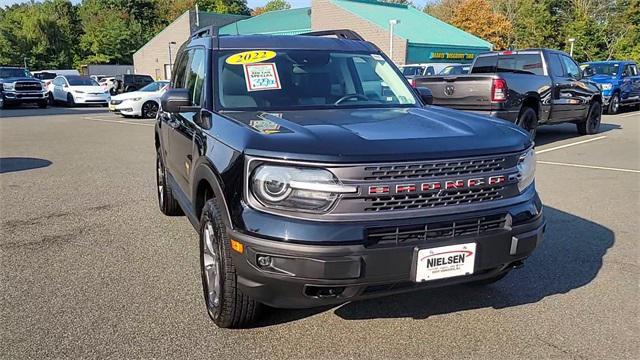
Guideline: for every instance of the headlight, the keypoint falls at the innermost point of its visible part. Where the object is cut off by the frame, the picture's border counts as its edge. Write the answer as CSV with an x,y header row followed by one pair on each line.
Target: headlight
x,y
606,86
526,169
78,91
294,188
8,86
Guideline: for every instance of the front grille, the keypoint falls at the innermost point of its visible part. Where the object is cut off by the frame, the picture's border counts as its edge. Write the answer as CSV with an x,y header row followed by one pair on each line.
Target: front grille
x,y
433,169
434,199
28,86
116,102
397,235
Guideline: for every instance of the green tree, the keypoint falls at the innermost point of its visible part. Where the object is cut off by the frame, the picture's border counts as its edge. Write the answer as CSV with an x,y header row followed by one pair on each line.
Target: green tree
x,y
238,7
272,5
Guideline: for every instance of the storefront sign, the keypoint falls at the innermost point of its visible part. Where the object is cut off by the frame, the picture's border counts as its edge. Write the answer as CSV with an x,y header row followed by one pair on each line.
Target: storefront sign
x,y
453,56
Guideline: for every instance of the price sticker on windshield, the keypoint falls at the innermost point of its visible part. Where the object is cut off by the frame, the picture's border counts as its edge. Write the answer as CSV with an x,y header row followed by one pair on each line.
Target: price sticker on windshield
x,y
261,77
250,57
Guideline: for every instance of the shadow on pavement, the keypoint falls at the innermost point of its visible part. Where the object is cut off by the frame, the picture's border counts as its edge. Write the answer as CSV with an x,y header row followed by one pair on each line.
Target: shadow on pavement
x,y
13,164
569,257
552,133
29,110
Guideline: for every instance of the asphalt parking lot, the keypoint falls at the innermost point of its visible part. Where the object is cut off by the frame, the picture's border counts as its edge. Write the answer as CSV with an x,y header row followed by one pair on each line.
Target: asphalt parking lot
x,y
90,268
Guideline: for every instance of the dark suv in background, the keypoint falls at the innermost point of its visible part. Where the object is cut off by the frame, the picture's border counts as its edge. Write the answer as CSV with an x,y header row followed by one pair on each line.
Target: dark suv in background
x,y
316,175
130,82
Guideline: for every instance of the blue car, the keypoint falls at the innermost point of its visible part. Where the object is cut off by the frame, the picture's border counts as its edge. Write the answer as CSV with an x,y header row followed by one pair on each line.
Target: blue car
x,y
619,81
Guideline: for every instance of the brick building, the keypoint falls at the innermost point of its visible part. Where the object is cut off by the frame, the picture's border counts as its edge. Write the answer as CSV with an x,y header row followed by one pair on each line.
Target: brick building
x,y
417,37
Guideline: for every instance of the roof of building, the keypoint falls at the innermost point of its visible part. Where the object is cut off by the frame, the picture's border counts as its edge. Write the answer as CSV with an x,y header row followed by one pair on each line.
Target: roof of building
x,y
415,26
276,42
280,22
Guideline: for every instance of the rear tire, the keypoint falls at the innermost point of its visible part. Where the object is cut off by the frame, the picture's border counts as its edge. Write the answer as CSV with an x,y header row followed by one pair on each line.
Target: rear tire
x,y
528,120
167,203
227,306
51,99
591,125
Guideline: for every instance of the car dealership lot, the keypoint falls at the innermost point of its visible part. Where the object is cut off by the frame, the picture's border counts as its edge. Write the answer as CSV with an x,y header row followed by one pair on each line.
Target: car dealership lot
x,y
90,268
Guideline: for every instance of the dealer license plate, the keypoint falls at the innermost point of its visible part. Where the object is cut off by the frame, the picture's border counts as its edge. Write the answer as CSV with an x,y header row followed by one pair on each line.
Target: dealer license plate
x,y
445,262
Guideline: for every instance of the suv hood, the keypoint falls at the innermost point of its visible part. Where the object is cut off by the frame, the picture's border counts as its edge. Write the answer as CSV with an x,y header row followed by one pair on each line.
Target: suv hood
x,y
368,135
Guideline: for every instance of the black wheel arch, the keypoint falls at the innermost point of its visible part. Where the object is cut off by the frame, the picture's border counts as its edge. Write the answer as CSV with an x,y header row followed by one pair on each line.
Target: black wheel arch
x,y
206,185
532,100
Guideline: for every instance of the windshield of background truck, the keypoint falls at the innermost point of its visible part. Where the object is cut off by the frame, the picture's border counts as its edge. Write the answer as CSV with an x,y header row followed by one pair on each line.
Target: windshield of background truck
x,y
515,63
298,79
602,69
13,73
412,70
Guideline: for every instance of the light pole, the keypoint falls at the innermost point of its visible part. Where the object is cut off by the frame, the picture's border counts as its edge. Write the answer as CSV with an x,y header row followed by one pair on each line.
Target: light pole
x,y
571,40
171,56
392,22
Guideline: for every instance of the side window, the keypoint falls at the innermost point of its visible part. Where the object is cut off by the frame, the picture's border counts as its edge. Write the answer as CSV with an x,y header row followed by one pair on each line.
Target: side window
x,y
570,67
179,70
430,71
195,76
555,65
634,70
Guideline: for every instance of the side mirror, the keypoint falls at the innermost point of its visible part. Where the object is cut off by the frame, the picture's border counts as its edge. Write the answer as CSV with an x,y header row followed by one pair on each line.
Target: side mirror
x,y
586,73
425,95
174,99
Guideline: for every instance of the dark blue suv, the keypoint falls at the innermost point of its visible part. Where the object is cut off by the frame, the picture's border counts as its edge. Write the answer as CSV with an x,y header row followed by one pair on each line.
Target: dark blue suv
x,y
619,81
316,175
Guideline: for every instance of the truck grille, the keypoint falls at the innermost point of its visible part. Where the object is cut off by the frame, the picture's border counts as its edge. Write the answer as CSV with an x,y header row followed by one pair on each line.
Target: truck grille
x,y
433,169
396,235
431,200
28,86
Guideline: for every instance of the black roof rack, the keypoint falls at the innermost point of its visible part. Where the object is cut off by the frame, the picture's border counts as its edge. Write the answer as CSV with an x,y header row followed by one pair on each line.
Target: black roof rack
x,y
211,30
340,34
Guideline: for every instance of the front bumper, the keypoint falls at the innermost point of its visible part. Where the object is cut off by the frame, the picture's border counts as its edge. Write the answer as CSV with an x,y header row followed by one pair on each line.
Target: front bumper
x,y
302,275
127,107
91,99
24,97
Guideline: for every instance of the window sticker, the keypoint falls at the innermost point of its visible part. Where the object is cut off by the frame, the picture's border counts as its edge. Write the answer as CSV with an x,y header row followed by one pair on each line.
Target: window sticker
x,y
377,57
261,77
250,57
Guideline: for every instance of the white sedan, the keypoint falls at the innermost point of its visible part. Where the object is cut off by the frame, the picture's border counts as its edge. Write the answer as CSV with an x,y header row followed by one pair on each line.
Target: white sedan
x,y
75,89
144,102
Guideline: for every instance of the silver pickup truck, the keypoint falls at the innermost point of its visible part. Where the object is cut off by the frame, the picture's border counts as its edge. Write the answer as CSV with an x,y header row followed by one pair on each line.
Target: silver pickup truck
x,y
530,87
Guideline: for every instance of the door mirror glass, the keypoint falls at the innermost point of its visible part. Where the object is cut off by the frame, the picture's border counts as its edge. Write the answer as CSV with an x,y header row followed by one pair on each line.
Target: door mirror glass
x,y
174,99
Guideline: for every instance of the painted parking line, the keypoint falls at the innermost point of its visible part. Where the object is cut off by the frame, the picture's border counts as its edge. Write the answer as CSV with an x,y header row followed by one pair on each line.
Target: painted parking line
x,y
118,121
570,144
589,166
629,115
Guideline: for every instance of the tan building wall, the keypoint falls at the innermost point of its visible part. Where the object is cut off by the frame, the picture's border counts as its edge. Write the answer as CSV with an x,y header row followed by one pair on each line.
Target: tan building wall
x,y
153,57
326,16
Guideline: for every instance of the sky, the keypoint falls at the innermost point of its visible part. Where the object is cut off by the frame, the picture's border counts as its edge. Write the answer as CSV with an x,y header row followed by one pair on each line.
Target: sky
x,y
252,3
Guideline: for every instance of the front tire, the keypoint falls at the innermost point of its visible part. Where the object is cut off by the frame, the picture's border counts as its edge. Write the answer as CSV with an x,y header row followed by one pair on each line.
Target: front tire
x,y
149,110
167,203
43,104
528,120
71,102
227,306
3,103
591,125
614,105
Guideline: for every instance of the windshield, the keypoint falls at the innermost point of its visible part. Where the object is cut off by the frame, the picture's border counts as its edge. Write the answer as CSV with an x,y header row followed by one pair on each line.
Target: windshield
x,y
291,79
81,81
13,72
602,69
154,86
412,70
45,76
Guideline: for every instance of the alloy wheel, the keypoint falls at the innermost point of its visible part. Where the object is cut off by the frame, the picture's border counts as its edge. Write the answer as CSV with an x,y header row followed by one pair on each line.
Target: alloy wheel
x,y
211,267
615,104
150,110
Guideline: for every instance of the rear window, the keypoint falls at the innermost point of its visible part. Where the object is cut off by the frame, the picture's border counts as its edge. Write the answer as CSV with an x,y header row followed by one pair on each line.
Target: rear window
x,y
516,63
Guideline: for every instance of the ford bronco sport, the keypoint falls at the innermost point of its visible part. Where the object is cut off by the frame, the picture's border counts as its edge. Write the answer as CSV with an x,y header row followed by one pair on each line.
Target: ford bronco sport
x,y
316,175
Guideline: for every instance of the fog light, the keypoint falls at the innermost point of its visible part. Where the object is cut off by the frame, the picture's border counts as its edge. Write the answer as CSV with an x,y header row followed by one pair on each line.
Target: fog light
x,y
264,261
